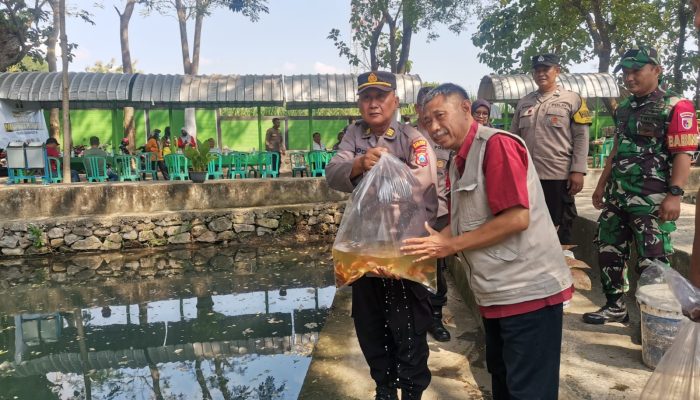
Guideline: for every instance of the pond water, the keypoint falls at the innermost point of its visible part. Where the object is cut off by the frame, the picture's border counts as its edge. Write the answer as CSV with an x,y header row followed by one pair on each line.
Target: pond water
x,y
212,323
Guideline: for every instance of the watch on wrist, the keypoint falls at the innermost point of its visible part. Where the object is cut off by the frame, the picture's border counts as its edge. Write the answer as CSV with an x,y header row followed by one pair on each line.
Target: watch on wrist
x,y
675,190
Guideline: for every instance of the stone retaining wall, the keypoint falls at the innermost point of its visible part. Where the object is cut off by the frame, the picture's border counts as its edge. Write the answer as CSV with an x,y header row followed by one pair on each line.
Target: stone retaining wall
x,y
109,233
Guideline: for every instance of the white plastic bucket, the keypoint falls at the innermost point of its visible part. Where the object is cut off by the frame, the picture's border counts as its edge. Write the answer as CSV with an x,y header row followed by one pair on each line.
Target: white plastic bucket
x,y
660,319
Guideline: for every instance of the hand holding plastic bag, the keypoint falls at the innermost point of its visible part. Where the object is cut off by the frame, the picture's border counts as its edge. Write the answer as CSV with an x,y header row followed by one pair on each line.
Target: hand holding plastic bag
x,y
383,210
677,376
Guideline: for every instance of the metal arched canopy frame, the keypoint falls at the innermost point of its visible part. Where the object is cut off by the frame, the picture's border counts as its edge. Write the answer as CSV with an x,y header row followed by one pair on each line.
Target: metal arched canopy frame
x,y
339,90
155,91
512,88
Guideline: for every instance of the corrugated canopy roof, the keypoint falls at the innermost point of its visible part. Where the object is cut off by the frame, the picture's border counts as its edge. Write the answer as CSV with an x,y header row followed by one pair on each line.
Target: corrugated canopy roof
x,y
511,88
109,90
159,91
45,88
334,90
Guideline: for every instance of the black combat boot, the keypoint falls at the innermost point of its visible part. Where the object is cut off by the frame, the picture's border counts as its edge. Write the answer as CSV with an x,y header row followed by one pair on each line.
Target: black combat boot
x,y
386,393
438,329
613,311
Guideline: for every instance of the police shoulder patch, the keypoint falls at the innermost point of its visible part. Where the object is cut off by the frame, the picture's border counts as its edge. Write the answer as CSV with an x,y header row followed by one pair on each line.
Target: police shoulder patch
x,y
583,115
420,149
419,143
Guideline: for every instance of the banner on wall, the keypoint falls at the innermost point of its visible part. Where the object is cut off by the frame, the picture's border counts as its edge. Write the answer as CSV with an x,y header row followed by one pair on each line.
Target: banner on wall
x,y
21,124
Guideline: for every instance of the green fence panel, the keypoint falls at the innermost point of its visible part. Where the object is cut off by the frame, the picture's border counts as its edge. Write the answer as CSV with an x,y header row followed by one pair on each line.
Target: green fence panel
x,y
240,135
206,124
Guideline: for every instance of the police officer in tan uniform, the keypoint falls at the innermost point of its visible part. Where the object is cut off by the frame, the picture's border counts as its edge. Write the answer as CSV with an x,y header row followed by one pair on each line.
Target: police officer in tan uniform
x,y
439,299
392,339
274,142
554,124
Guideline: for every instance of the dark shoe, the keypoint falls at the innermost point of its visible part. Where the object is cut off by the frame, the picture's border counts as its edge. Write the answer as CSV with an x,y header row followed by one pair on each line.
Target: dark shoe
x,y
438,330
613,311
386,393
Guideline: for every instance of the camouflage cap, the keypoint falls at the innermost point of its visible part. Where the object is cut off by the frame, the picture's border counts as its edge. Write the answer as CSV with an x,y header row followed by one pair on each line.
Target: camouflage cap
x,y
637,58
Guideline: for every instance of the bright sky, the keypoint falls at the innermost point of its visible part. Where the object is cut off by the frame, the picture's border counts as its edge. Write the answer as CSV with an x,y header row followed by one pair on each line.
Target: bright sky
x,y
291,39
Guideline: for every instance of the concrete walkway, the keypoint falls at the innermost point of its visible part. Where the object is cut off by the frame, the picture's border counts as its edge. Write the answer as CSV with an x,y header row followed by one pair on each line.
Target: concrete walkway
x,y
338,370
598,362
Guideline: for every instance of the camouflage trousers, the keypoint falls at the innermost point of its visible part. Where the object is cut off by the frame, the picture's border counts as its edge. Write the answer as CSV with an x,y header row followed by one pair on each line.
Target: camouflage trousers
x,y
618,227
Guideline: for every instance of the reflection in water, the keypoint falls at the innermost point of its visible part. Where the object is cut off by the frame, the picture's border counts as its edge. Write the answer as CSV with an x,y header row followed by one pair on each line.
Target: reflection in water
x,y
214,332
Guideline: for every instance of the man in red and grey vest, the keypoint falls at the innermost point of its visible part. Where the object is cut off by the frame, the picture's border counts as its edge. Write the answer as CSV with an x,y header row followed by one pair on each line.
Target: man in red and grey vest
x,y
502,234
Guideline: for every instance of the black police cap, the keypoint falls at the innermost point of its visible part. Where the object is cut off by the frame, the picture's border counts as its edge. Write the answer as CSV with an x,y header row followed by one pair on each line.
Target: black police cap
x,y
381,80
548,60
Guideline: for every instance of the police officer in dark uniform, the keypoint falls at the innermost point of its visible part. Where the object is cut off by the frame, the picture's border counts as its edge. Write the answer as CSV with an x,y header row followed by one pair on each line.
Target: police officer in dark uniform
x,y
442,155
392,334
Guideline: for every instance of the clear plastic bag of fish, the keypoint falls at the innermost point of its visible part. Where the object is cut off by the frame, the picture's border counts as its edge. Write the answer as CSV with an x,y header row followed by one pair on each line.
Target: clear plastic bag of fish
x,y
677,375
381,213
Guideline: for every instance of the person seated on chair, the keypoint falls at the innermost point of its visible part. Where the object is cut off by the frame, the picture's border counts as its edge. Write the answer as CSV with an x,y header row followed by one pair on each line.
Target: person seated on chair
x,y
95,150
340,139
212,146
52,151
165,146
317,145
185,139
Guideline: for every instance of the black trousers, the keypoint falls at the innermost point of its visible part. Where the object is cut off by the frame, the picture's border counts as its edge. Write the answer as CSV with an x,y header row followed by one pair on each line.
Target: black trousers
x,y
163,169
561,206
523,354
439,298
391,319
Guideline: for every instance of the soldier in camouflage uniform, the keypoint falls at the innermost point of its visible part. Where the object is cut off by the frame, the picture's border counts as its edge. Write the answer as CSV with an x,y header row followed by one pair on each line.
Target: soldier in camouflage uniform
x,y
695,259
639,190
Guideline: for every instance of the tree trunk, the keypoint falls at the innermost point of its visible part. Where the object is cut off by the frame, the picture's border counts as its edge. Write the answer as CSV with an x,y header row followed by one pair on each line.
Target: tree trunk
x,y
127,66
374,62
184,44
51,40
206,395
402,66
392,41
680,49
198,21
67,140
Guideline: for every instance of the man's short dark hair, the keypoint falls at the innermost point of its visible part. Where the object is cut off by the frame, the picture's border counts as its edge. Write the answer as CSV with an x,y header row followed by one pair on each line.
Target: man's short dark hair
x,y
94,141
446,89
275,120
422,92
52,141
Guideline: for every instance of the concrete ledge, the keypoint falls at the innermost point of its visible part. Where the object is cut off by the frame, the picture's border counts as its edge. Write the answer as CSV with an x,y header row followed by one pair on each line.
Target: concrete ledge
x,y
21,202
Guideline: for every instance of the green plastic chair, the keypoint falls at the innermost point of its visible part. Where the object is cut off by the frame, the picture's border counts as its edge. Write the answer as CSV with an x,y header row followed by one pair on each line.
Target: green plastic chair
x,y
253,160
298,163
127,167
330,155
55,176
599,159
267,163
95,168
177,166
239,166
317,163
215,169
148,164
